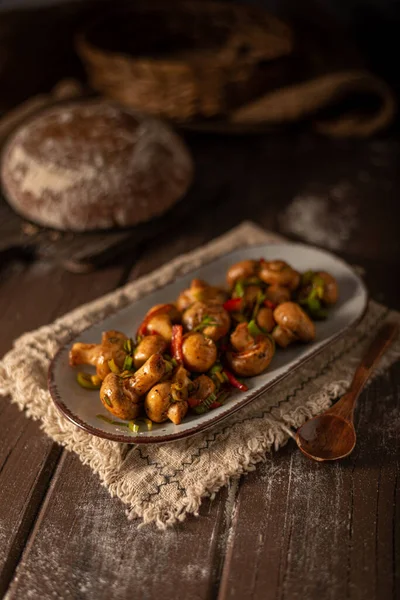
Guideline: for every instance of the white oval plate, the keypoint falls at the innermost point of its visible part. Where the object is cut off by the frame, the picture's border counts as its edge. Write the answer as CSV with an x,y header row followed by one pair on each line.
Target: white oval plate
x,y
82,407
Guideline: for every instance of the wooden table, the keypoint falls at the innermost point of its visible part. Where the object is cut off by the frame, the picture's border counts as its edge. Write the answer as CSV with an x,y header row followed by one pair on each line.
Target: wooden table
x,y
291,529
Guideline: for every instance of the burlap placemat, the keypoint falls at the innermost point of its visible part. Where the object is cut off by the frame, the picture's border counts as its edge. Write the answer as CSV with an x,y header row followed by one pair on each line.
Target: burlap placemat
x,y
162,484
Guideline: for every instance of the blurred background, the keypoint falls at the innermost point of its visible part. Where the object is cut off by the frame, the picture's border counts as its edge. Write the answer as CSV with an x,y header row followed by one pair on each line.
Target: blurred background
x,y
371,25
289,116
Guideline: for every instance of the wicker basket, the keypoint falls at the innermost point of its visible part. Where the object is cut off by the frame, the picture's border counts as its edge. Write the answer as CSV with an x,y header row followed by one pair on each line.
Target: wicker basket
x,y
179,59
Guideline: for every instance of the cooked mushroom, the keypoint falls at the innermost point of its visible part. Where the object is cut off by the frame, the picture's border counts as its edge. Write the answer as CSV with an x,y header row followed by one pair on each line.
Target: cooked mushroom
x,y
278,272
208,317
200,291
330,293
177,412
293,325
160,406
251,294
148,375
318,290
253,353
241,270
265,319
160,325
98,355
240,337
199,352
277,294
159,319
203,386
150,344
181,383
119,397
164,309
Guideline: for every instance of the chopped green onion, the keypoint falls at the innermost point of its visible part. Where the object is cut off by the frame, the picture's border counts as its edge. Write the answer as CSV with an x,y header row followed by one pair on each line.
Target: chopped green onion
x,y
207,321
307,277
205,404
314,304
259,301
133,426
168,366
126,374
88,381
128,346
174,362
254,329
107,400
239,289
128,362
220,377
113,367
216,368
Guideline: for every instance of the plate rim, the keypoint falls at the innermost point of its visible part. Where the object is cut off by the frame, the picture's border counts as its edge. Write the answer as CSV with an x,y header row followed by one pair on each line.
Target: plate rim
x,y
207,424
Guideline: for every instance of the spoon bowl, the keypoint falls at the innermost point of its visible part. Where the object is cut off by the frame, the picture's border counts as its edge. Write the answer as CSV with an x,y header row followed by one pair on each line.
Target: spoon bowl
x,y
327,437
331,436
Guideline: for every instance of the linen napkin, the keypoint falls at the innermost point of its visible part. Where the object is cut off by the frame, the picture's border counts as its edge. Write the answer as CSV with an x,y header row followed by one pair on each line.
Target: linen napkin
x,y
164,483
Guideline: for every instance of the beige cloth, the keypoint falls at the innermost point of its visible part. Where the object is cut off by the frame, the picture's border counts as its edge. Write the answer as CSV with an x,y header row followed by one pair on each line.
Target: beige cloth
x,y
163,483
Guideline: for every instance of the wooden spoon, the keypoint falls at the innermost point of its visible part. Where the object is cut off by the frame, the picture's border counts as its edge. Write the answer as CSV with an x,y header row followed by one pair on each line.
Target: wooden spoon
x,y
332,435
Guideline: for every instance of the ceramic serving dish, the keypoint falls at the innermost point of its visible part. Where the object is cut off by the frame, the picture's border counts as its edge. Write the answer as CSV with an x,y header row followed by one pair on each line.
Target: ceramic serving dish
x,y
82,407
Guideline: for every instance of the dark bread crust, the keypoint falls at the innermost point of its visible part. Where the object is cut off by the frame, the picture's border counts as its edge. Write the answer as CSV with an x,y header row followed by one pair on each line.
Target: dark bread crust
x,y
92,165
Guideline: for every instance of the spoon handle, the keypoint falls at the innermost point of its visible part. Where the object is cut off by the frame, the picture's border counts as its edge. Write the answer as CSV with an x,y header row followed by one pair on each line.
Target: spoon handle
x,y
380,343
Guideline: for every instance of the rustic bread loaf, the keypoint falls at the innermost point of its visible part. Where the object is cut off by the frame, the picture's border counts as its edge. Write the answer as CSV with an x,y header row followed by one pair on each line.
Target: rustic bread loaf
x,y
91,165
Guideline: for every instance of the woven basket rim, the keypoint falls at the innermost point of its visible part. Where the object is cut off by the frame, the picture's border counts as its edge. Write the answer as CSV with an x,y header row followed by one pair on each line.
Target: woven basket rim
x,y
84,44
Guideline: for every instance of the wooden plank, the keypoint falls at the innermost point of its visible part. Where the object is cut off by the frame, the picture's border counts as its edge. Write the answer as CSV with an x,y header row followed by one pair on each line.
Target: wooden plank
x,y
308,530
83,546
102,545
30,298
82,531
27,461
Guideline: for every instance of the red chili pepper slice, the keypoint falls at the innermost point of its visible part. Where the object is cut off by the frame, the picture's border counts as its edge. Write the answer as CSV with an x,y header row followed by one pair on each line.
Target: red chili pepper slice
x,y
262,261
233,304
176,343
270,304
215,405
193,402
234,382
142,330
